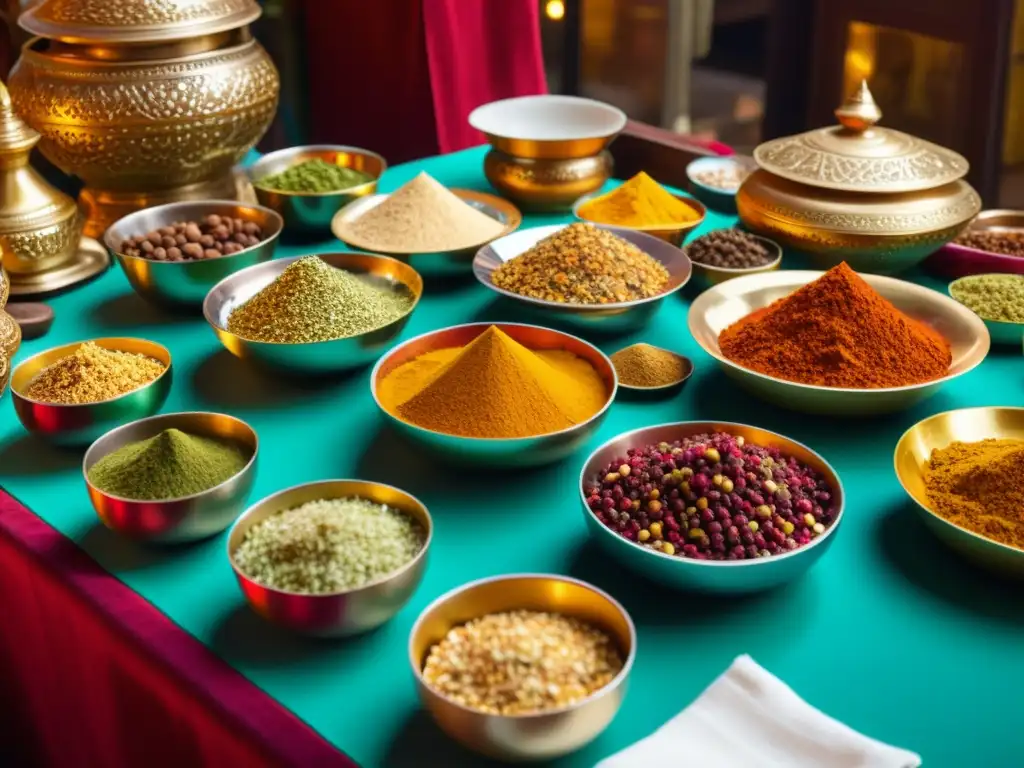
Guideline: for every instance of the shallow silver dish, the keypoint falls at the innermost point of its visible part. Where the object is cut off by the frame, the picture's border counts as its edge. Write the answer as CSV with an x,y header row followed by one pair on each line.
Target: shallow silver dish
x,y
318,357
437,263
503,452
334,614
188,282
189,518
619,317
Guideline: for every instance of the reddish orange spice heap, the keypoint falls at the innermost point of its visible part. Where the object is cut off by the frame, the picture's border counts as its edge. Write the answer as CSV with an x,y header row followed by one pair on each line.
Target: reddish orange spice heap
x,y
837,332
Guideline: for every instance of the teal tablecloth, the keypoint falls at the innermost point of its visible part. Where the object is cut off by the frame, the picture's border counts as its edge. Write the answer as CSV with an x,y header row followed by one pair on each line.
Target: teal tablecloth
x,y
890,633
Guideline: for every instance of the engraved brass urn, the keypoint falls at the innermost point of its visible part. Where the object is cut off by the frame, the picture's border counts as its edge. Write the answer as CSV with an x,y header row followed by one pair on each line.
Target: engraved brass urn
x,y
876,198
147,101
10,334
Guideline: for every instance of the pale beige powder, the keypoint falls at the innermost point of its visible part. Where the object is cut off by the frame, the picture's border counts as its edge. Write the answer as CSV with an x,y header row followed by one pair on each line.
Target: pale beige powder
x,y
421,216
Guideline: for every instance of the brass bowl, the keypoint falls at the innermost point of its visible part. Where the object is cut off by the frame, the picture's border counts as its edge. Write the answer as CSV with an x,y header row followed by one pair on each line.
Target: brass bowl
x,y
319,357
546,184
721,306
186,283
189,518
913,452
1002,332
875,233
82,424
548,127
335,614
725,576
498,452
522,738
313,211
707,275
955,260
5,373
674,235
10,334
143,126
438,263
618,317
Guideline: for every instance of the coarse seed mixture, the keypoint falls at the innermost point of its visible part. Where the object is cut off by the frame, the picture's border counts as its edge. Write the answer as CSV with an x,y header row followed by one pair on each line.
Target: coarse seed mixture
x,y
519,662
583,264
712,497
1007,243
314,176
330,545
421,216
92,374
642,365
313,301
729,249
993,297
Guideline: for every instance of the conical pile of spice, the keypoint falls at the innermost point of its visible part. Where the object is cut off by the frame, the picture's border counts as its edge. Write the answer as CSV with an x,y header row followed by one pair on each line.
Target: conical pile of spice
x,y
980,487
169,465
92,374
313,301
643,365
837,332
639,202
494,388
421,216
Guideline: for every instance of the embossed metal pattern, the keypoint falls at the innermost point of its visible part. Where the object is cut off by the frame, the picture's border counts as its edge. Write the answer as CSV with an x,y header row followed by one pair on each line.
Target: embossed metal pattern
x,y
10,335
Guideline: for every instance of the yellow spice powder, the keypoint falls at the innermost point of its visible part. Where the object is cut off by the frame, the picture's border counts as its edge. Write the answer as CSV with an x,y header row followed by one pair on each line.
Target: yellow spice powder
x,y
92,374
640,202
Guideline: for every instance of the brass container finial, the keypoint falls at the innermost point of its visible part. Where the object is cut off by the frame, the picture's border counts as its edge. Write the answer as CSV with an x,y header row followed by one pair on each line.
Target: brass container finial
x,y
860,111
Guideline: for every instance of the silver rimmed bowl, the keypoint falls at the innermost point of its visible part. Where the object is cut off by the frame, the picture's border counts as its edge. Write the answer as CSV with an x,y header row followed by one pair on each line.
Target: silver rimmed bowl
x,y
721,306
544,735
736,576
334,614
504,452
80,424
186,283
613,318
707,275
319,357
1004,332
458,261
189,518
313,211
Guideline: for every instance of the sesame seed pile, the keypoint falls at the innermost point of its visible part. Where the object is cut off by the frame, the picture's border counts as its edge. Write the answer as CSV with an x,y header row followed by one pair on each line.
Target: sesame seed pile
x,y
312,301
582,264
520,662
329,545
92,374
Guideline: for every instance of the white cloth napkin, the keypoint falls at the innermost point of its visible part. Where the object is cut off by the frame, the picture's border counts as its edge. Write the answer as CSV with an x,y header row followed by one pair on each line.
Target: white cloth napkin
x,y
748,718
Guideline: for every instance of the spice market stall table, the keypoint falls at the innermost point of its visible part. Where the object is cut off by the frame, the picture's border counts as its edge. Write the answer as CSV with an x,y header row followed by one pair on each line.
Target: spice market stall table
x,y
890,633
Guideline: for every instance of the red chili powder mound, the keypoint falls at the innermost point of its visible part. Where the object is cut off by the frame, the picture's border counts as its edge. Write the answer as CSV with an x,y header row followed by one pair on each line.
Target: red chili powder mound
x,y
837,332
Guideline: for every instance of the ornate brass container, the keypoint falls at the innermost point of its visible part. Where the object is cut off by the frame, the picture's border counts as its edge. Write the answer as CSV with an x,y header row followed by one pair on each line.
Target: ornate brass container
x,y
10,334
147,101
876,198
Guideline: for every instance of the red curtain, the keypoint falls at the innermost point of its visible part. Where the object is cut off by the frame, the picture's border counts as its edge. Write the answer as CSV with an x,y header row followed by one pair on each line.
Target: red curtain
x,y
400,77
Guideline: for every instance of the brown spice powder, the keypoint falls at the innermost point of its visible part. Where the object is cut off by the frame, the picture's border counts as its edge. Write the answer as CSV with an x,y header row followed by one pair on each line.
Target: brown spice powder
x,y
92,374
642,365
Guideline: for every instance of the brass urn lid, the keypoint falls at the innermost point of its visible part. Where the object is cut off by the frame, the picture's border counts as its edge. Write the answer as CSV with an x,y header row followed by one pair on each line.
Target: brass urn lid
x,y
858,156
135,21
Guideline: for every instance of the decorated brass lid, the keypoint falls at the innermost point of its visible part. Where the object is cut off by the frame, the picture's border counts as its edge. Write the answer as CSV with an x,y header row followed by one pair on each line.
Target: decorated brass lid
x,y
858,156
15,135
135,21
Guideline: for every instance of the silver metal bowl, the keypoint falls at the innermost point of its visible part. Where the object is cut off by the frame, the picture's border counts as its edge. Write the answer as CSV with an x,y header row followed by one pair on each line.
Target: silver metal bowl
x,y
616,318
728,576
313,211
662,390
189,518
319,357
439,263
81,424
706,275
503,452
522,738
186,283
337,614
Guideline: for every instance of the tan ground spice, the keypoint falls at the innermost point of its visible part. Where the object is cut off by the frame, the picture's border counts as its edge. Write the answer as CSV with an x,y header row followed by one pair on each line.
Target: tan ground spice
x,y
521,661
582,264
642,365
92,374
421,216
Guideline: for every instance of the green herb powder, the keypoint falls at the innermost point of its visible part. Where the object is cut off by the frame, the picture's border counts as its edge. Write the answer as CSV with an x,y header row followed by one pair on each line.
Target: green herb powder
x,y
315,176
992,297
168,466
330,545
312,301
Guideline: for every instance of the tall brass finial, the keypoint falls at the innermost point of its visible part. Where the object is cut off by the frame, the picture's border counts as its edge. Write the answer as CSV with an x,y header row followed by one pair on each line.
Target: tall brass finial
x,y
5,97
15,136
860,111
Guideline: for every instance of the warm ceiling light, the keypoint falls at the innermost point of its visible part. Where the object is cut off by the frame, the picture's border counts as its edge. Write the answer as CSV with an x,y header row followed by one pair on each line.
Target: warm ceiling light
x,y
555,9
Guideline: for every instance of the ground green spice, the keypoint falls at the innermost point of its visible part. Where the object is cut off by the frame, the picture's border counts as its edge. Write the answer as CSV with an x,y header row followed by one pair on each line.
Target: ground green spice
x,y
330,545
170,465
315,176
312,301
992,297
